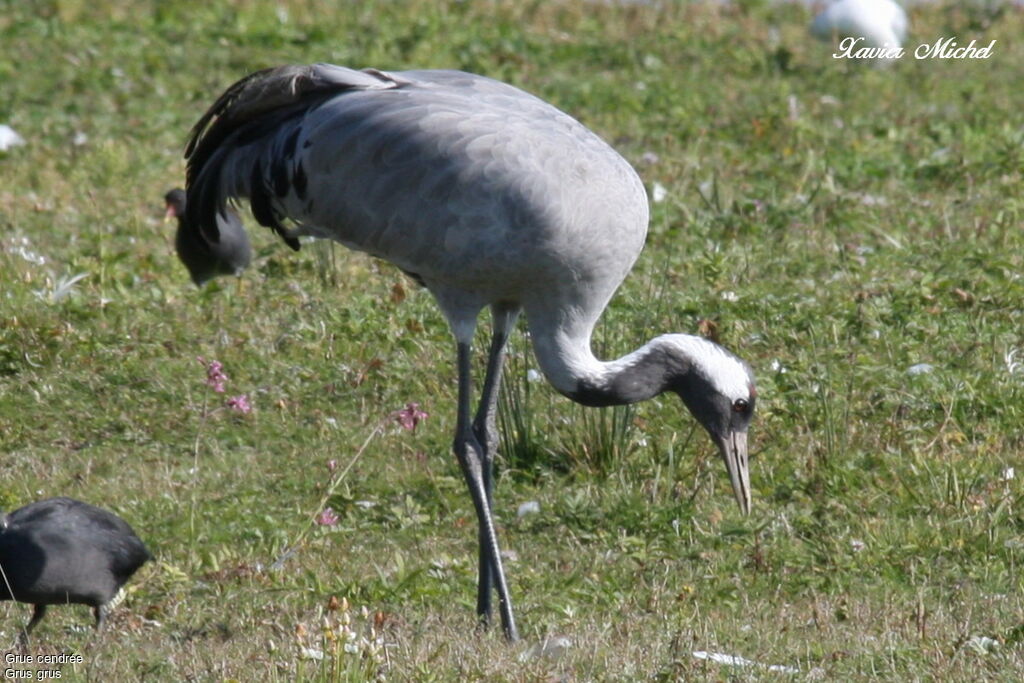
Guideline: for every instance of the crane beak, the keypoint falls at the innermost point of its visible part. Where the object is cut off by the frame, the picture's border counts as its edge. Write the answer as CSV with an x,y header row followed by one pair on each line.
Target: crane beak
x,y
733,447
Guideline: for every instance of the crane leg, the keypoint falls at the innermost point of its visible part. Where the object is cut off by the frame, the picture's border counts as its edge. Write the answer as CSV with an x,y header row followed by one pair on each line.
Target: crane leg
x,y
486,432
469,452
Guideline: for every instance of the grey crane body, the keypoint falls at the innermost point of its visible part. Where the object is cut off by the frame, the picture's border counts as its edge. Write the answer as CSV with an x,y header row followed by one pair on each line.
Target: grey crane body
x,y
205,259
481,209
488,196
62,551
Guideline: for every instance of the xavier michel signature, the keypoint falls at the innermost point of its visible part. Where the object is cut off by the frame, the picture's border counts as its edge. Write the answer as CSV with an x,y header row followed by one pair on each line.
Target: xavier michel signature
x,y
943,48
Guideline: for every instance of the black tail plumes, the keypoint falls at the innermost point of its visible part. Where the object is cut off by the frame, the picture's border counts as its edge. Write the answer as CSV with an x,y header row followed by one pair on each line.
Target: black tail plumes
x,y
257,111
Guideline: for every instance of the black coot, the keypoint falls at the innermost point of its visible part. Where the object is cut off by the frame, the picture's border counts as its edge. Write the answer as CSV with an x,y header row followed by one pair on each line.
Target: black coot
x,y
59,551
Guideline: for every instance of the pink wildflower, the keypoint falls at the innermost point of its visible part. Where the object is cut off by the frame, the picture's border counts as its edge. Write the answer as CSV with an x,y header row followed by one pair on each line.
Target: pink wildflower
x,y
215,377
410,416
332,465
241,404
327,517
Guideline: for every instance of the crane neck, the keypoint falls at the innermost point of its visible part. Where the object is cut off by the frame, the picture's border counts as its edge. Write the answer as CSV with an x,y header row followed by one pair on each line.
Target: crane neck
x,y
692,367
574,371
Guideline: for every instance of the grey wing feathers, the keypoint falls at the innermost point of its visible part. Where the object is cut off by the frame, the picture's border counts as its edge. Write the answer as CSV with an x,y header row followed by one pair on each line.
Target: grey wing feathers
x,y
271,90
252,107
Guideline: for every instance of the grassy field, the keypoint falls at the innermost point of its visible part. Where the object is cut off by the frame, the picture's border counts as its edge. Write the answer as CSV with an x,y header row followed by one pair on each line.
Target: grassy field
x,y
854,233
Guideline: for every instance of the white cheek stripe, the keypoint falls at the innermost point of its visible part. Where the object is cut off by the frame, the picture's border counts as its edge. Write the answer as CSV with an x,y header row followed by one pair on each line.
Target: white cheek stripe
x,y
727,374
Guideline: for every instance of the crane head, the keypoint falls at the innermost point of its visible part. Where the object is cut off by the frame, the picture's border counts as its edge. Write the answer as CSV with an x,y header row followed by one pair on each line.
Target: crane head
x,y
718,388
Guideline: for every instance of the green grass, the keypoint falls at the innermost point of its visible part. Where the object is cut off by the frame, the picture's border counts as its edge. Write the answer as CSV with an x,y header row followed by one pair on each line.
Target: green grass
x,y
834,225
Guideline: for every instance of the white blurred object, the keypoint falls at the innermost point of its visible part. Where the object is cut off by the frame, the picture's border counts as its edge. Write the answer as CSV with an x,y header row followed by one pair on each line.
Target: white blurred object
x,y
22,248
528,508
9,138
61,288
658,193
1013,366
881,23
920,369
552,648
982,645
734,660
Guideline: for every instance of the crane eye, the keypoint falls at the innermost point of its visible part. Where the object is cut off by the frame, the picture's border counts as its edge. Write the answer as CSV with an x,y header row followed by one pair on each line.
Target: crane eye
x,y
740,405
